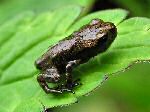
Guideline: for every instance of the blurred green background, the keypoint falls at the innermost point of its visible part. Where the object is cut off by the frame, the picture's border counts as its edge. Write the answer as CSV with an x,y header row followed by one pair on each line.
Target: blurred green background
x,y
124,92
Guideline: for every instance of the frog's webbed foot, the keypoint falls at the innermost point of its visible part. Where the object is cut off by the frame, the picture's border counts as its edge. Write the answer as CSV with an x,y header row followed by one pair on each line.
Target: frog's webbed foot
x,y
68,87
72,84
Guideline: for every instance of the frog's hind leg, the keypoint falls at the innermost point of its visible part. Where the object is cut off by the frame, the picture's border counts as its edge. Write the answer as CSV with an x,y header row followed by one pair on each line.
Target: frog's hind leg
x,y
45,87
49,76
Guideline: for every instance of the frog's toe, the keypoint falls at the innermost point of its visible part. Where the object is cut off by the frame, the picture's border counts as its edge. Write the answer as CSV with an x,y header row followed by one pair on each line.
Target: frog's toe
x,y
76,83
67,90
72,84
69,86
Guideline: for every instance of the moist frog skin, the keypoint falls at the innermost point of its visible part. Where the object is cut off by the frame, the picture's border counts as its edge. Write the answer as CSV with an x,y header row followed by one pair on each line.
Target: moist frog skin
x,y
60,59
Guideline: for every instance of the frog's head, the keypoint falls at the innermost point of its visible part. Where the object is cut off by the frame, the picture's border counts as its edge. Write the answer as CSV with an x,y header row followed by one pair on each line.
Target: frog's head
x,y
105,31
103,28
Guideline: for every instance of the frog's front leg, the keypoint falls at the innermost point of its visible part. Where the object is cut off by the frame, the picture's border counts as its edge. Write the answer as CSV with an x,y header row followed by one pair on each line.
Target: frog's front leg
x,y
69,80
68,86
49,76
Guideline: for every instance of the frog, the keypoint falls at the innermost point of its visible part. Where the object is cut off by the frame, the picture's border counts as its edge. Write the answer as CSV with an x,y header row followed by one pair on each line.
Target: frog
x,y
78,48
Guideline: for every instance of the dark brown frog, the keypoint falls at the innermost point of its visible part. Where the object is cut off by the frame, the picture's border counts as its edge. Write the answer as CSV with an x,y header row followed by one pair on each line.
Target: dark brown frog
x,y
78,48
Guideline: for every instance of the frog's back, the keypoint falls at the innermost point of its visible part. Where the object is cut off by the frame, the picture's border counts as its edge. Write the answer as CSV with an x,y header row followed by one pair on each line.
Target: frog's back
x,y
62,48
81,44
71,49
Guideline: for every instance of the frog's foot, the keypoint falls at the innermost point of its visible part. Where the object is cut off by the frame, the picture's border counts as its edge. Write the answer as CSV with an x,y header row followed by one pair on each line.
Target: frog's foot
x,y
72,84
63,88
68,87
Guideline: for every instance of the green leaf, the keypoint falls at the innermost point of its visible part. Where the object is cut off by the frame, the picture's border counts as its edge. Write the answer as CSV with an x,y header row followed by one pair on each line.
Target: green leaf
x,y
10,27
29,106
9,8
17,64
